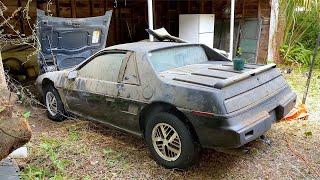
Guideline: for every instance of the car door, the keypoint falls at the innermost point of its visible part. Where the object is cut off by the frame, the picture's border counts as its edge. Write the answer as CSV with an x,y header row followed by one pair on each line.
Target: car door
x,y
92,93
129,96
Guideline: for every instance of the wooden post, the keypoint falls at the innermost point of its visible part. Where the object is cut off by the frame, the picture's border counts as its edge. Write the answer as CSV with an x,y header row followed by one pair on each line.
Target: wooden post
x,y
202,6
91,8
21,18
57,8
73,9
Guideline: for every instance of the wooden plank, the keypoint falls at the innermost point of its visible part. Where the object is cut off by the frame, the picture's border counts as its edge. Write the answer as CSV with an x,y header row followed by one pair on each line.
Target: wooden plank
x,y
91,8
202,6
57,8
73,9
21,18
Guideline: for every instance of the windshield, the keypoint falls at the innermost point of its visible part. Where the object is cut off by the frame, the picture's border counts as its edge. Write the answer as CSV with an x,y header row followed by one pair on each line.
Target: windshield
x,y
175,57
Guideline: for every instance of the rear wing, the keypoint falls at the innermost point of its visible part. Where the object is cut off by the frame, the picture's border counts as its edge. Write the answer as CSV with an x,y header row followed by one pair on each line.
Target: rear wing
x,y
162,34
227,82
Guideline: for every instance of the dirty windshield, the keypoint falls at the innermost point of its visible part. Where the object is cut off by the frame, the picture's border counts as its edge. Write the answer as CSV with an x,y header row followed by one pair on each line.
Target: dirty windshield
x,y
175,57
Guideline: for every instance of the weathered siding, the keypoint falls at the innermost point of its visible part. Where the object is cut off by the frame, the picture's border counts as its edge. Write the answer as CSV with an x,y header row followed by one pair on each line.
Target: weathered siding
x,y
129,17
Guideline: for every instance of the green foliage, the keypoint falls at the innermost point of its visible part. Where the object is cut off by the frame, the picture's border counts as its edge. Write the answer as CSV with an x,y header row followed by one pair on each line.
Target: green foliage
x,y
113,158
72,132
308,133
239,51
26,115
298,54
55,170
2,108
52,151
32,172
302,27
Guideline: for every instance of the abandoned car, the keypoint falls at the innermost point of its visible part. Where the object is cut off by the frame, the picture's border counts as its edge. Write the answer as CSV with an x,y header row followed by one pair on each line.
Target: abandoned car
x,y
180,97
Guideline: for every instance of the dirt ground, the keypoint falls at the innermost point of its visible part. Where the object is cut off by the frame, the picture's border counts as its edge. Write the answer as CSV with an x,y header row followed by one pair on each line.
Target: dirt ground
x,y
77,149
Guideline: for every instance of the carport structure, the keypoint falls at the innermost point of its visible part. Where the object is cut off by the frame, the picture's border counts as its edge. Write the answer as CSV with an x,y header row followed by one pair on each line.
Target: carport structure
x,y
252,23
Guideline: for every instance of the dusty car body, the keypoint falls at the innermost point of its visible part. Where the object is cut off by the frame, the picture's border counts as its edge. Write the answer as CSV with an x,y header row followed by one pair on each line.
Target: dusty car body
x,y
221,107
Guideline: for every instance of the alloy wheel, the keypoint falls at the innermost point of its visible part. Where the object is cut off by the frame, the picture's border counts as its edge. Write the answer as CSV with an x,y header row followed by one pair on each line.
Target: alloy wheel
x,y
166,142
51,103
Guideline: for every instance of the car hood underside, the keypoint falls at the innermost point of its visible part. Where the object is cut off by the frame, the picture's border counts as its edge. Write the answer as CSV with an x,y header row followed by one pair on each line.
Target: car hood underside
x,y
66,42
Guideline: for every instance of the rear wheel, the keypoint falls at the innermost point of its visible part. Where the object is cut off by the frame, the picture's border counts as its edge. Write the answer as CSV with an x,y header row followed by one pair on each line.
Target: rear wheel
x,y
55,109
170,142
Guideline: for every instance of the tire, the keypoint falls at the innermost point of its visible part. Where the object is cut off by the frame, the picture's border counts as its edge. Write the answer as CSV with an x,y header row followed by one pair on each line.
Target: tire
x,y
56,113
161,150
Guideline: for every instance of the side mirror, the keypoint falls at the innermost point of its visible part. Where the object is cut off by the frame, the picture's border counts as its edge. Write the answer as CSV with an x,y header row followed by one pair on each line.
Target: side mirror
x,y
72,75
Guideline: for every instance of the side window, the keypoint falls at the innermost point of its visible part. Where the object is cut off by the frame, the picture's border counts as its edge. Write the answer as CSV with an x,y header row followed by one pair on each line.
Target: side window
x,y
131,72
105,67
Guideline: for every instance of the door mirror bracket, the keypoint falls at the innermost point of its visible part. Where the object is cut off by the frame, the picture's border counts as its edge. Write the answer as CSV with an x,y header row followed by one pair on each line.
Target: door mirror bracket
x,y
72,75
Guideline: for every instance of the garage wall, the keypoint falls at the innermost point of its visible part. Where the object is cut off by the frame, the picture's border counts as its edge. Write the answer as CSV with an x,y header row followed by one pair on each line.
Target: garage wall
x,y
129,19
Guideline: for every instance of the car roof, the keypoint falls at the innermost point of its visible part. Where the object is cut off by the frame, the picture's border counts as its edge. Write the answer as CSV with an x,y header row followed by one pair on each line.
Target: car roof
x,y
144,46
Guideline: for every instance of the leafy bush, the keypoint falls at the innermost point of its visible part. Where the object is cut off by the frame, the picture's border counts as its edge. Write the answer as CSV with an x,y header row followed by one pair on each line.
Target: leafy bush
x,y
298,54
302,27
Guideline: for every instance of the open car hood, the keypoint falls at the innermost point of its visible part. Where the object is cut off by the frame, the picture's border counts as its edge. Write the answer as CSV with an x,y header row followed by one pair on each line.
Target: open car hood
x,y
66,42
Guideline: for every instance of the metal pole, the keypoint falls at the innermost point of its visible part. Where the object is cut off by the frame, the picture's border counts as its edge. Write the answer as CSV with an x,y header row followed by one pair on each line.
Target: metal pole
x,y
310,70
150,17
231,29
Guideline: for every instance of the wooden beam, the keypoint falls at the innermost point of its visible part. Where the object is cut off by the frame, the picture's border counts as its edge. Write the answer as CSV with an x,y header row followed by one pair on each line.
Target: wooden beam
x,y
91,8
202,5
155,15
21,18
73,8
259,9
119,24
57,8
212,7
115,25
105,5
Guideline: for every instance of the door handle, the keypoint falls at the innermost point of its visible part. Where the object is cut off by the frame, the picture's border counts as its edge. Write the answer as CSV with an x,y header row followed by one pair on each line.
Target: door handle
x,y
110,99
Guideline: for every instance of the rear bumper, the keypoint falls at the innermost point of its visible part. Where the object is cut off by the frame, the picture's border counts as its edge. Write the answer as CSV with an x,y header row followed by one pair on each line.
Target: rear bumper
x,y
231,132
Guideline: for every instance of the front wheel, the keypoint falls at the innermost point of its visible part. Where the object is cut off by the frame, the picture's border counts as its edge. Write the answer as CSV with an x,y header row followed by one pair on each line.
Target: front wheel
x,y
55,108
170,142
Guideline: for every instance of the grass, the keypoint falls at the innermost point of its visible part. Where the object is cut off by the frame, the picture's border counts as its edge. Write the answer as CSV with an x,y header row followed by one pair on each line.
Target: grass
x,y
297,80
77,149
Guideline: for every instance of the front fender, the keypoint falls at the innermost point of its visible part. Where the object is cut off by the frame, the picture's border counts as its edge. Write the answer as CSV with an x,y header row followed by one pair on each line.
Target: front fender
x,y
53,77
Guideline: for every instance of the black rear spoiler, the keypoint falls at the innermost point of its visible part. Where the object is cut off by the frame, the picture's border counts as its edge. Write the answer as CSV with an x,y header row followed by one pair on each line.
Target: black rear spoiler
x,y
224,83
162,34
